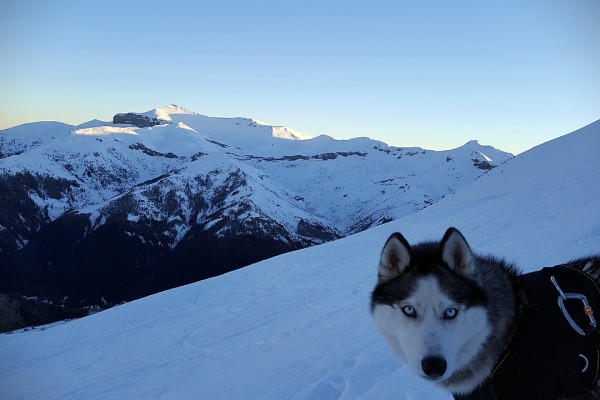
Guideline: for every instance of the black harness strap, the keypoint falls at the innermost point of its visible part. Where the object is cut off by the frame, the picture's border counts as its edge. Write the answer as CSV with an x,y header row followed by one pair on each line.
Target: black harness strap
x,y
547,359
576,383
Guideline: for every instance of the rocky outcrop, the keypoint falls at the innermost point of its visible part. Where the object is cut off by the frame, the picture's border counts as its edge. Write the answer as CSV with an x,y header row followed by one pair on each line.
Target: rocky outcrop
x,y
141,121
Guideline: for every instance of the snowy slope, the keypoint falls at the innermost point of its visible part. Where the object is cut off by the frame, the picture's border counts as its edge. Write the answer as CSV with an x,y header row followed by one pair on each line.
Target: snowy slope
x,y
208,190
362,182
28,136
297,326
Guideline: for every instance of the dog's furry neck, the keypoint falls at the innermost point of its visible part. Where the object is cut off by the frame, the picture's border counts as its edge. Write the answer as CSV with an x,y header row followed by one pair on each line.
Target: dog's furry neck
x,y
505,284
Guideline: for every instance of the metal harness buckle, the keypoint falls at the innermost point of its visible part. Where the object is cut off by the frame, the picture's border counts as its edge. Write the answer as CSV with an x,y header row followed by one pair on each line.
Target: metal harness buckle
x,y
587,309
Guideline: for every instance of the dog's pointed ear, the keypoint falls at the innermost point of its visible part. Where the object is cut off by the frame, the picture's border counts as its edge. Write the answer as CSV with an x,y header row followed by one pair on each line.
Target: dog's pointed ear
x,y
457,254
395,257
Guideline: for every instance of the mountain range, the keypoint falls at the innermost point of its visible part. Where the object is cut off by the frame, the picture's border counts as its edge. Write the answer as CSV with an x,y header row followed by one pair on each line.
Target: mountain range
x,y
105,212
297,326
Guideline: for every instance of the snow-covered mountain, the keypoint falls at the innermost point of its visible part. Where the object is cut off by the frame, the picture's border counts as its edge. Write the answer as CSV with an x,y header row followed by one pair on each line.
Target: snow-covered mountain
x,y
169,196
297,326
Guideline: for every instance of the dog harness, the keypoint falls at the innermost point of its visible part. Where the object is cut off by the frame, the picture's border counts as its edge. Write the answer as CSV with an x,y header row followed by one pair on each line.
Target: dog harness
x,y
555,351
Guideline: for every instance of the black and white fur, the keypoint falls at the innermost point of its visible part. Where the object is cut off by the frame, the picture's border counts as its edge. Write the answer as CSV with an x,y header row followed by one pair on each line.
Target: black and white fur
x,y
447,312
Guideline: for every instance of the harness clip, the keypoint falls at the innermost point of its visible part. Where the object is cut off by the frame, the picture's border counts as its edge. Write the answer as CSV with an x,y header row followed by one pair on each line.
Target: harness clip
x,y
587,309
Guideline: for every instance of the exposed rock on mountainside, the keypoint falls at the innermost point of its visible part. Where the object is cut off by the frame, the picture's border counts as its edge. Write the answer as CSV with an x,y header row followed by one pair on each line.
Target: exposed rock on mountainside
x,y
141,121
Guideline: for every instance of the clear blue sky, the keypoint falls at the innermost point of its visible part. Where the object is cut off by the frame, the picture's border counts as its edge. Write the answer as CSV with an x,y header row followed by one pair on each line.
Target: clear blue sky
x,y
434,74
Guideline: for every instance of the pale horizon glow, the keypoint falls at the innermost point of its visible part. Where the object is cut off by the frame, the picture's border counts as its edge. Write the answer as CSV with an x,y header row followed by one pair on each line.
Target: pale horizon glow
x,y
432,74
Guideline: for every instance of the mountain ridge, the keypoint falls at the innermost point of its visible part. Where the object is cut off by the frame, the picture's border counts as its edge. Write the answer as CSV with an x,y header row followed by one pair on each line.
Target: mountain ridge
x,y
184,181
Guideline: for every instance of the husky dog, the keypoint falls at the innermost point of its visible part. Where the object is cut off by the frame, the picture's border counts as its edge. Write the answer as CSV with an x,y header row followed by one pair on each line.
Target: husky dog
x,y
477,328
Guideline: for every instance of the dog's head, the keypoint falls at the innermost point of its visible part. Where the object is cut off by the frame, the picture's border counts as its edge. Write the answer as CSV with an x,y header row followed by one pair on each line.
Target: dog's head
x,y
428,305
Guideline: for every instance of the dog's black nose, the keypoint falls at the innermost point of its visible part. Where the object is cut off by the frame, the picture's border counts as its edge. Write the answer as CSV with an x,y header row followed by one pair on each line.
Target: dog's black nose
x,y
433,367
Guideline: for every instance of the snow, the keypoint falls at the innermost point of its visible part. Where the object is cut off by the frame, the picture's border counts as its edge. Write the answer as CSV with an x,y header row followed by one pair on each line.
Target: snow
x,y
31,135
166,112
184,126
284,132
93,123
297,326
106,130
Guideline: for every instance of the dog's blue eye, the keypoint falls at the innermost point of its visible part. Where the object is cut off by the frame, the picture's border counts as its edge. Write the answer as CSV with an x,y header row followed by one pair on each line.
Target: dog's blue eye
x,y
409,311
450,313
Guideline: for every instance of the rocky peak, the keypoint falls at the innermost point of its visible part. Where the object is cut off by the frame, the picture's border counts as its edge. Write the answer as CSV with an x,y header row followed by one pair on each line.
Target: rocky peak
x,y
141,121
